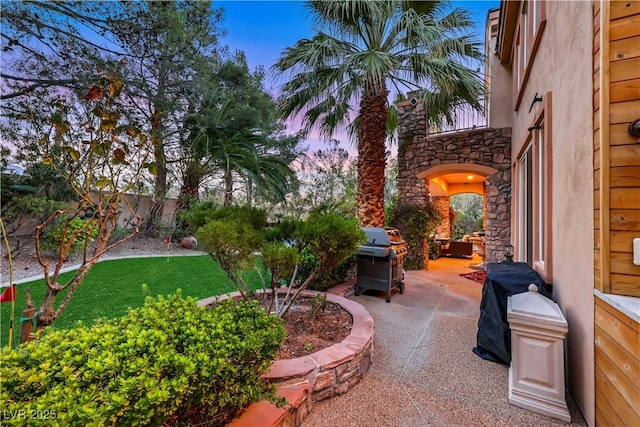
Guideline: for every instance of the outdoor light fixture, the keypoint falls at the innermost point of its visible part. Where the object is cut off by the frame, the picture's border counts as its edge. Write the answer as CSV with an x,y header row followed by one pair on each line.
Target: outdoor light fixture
x,y
634,129
506,193
536,98
508,252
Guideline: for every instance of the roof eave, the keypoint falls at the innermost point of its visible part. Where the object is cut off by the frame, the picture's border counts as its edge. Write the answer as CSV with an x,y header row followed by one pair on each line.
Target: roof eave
x,y
506,29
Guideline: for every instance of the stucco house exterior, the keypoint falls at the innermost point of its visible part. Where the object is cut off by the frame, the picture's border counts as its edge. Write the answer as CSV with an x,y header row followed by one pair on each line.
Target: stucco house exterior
x,y
564,84
566,78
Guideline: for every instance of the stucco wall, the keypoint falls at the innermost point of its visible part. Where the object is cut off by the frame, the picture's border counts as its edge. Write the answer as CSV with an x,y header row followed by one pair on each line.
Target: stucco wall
x,y
563,66
141,204
501,105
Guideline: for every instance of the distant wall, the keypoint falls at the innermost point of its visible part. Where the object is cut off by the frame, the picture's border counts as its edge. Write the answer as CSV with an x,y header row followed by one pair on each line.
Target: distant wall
x,y
141,205
137,204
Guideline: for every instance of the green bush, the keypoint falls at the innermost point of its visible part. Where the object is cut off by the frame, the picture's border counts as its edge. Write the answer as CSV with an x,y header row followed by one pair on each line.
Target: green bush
x,y
328,279
331,237
416,224
279,262
155,365
433,249
231,243
203,212
323,234
256,218
199,214
77,229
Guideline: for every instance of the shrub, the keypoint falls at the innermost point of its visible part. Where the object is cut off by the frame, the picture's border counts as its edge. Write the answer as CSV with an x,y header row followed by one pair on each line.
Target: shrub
x,y
331,238
76,229
433,249
232,244
256,218
332,277
199,214
280,262
36,207
416,224
153,366
203,212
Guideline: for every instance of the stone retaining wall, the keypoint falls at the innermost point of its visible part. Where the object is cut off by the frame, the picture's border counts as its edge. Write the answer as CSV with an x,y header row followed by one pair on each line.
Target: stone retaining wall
x,y
334,370
326,373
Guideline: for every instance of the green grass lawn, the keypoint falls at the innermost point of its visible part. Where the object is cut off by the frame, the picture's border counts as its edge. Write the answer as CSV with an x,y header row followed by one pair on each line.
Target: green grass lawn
x,y
113,286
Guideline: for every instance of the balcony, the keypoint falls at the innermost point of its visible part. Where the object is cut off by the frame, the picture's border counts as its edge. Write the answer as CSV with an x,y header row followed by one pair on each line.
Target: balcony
x,y
465,118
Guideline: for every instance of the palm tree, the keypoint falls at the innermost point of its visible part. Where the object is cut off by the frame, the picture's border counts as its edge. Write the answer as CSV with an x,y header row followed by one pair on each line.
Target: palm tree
x,y
239,155
219,144
363,46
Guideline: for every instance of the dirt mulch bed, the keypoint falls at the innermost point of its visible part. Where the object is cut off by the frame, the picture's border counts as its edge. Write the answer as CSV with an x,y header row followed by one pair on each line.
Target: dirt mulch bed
x,y
306,335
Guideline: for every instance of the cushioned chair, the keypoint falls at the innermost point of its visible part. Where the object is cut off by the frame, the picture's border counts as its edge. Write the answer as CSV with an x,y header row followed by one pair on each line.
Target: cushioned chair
x,y
458,249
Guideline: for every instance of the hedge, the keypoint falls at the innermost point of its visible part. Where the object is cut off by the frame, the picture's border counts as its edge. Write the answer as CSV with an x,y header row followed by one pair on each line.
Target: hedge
x,y
156,365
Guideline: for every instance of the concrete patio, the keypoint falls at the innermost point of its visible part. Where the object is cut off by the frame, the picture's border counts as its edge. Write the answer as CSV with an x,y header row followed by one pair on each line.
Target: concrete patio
x,y
424,372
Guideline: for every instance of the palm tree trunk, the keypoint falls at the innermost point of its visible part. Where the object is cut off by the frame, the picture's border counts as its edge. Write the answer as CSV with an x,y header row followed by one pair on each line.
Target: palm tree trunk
x,y
189,191
228,188
372,134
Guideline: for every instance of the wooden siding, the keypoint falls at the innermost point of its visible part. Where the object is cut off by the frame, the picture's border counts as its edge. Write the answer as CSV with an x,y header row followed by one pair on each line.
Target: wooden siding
x,y
616,175
617,351
616,164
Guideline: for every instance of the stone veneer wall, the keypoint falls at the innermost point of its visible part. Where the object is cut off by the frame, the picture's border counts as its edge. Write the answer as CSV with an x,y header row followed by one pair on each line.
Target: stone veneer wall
x,y
443,205
331,371
418,152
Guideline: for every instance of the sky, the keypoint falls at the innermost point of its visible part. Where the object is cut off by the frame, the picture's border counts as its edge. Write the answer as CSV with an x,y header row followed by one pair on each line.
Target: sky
x,y
263,29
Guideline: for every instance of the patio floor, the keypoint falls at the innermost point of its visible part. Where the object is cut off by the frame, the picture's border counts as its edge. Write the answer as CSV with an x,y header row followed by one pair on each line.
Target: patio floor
x,y
424,372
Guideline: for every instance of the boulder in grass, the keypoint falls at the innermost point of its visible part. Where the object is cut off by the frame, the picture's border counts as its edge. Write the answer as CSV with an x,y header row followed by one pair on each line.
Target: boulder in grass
x,y
189,242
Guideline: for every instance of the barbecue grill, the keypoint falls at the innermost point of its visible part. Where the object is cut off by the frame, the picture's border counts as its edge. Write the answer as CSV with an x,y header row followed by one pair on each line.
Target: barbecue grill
x,y
381,261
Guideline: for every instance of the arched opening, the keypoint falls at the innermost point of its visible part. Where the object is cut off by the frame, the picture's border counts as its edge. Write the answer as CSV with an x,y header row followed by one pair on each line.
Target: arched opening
x,y
436,167
469,197
446,181
455,178
468,215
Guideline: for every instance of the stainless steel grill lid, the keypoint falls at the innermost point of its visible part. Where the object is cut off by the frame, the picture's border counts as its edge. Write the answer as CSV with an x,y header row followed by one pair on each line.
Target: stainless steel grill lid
x,y
377,236
382,242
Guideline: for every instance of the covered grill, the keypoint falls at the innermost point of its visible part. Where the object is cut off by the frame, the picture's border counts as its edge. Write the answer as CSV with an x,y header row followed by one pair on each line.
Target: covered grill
x,y
381,261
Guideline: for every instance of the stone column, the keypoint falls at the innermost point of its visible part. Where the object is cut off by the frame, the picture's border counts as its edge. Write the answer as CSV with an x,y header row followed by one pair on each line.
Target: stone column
x,y
484,206
412,129
414,191
498,217
443,205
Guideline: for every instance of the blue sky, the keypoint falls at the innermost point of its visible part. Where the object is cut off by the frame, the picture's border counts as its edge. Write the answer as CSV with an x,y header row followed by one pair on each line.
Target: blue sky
x,y
263,29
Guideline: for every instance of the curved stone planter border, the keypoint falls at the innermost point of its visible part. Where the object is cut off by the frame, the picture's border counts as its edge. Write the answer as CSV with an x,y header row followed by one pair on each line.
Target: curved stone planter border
x,y
332,370
326,373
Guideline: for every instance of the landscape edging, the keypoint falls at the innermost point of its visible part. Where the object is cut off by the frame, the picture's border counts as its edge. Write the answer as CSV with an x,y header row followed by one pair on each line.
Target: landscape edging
x,y
328,372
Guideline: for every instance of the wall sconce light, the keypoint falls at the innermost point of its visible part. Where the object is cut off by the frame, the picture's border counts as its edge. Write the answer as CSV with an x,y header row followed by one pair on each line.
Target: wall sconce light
x,y
634,129
536,98
413,101
506,193
508,252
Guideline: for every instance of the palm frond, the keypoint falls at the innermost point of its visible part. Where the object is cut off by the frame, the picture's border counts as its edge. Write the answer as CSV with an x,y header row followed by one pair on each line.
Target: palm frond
x,y
369,44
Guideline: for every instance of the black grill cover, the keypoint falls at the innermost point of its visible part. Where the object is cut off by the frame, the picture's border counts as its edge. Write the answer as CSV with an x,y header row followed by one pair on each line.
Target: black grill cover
x,y
503,280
